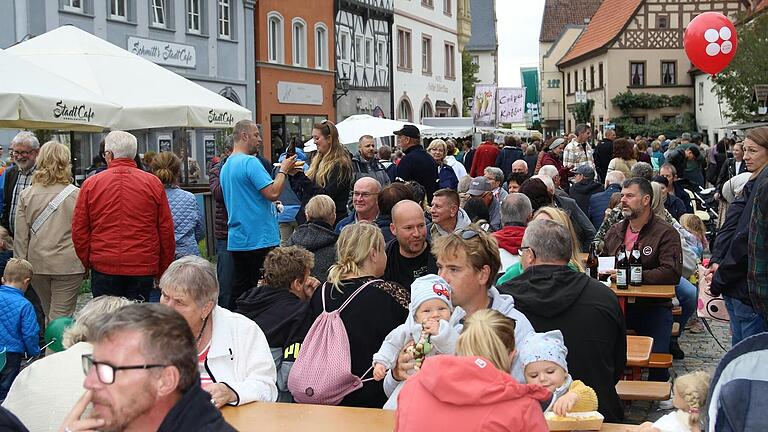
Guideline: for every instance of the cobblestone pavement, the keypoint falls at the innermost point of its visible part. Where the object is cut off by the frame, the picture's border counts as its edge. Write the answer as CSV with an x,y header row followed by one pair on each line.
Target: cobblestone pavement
x,y
701,353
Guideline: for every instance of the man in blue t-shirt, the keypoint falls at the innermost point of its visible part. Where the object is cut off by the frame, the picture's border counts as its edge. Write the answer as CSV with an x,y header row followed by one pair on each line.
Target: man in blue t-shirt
x,y
249,192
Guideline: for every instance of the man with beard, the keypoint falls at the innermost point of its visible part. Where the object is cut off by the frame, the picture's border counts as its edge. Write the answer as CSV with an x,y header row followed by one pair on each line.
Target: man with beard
x,y
409,255
142,376
18,177
661,257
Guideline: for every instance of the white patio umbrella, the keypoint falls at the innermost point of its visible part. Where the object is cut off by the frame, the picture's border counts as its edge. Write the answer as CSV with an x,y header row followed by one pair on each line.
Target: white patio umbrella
x,y
150,95
353,127
33,98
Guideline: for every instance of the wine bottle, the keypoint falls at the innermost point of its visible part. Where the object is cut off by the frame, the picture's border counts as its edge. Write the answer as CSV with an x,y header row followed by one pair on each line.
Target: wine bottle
x,y
593,262
635,267
622,269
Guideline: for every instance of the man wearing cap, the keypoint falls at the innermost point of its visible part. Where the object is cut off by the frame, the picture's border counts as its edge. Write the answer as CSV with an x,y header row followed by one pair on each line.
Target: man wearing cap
x,y
553,157
584,186
485,156
416,164
480,187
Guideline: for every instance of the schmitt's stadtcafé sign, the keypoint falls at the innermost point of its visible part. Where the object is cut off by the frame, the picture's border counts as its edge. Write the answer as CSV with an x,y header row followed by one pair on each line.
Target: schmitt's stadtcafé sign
x,y
162,52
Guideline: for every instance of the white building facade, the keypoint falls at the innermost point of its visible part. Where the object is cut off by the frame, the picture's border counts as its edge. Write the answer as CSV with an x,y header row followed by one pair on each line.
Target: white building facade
x,y
710,109
426,60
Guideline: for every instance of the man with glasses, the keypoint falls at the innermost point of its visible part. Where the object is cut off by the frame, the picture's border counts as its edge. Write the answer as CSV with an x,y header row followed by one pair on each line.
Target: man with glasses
x,y
554,297
24,147
143,375
365,200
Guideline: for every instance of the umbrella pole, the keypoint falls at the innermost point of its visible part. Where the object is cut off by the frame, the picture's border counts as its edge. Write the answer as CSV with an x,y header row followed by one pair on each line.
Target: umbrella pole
x,y
72,157
185,156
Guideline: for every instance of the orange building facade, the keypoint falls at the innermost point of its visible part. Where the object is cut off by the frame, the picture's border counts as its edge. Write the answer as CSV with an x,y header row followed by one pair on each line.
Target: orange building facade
x,y
295,70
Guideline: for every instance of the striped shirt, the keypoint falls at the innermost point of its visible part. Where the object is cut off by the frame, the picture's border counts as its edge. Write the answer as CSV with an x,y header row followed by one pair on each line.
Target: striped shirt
x,y
23,181
205,378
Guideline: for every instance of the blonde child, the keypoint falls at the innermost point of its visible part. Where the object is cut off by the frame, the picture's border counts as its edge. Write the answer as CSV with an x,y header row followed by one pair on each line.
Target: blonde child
x,y
543,357
690,397
19,332
428,325
694,225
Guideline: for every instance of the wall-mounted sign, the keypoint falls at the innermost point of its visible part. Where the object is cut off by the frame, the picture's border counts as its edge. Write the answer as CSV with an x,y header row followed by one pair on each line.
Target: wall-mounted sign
x,y
162,52
299,93
164,143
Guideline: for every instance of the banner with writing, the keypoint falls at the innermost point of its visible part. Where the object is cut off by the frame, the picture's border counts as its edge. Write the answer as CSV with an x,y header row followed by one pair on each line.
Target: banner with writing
x,y
162,52
511,105
484,105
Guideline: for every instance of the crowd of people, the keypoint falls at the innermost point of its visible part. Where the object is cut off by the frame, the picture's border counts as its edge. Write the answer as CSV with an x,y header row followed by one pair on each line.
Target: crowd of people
x,y
446,270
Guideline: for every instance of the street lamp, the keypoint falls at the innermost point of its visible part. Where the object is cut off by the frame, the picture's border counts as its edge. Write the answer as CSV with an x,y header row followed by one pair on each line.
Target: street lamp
x,y
342,89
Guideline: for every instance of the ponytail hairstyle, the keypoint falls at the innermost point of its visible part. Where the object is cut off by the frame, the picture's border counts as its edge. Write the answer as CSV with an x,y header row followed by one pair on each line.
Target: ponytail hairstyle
x,y
692,389
489,334
353,247
337,158
167,167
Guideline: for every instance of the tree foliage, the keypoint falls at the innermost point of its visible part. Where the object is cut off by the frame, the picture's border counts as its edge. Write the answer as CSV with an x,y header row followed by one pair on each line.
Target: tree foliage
x,y
468,78
737,82
626,126
628,101
582,111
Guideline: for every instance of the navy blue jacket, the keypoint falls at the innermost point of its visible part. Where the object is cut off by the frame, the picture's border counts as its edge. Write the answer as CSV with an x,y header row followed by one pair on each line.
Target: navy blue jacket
x,y
419,166
681,193
447,178
581,192
599,202
507,156
675,206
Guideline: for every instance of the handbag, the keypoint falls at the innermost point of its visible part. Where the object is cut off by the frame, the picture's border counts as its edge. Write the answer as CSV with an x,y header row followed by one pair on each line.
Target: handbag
x,y
710,306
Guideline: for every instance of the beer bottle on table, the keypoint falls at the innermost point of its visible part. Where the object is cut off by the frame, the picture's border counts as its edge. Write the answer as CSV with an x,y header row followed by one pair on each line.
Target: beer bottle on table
x,y
635,267
593,263
622,269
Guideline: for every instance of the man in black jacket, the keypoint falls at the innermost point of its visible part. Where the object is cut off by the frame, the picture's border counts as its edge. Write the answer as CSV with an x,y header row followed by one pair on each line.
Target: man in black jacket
x,y
417,164
604,154
584,187
143,375
554,297
510,153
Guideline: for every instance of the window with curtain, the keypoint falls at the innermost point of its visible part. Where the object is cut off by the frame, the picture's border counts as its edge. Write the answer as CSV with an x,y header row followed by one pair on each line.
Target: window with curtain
x,y
637,74
668,73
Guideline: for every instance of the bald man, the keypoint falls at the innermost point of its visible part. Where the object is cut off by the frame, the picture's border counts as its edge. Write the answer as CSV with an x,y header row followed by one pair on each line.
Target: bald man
x,y
409,255
365,201
520,166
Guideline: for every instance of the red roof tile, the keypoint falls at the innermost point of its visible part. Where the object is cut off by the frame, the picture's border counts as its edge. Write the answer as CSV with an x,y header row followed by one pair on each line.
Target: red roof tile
x,y
609,20
560,13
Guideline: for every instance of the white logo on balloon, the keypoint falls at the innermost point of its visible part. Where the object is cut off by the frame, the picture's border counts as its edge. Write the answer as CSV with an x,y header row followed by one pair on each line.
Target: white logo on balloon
x,y
712,36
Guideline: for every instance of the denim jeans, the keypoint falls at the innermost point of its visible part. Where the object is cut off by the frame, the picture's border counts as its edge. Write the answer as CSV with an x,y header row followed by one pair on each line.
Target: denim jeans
x,y
9,372
225,272
688,296
130,287
654,321
745,321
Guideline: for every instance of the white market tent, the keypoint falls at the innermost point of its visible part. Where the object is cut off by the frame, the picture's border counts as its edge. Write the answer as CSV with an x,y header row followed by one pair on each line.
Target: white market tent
x,y
353,127
33,98
150,95
449,127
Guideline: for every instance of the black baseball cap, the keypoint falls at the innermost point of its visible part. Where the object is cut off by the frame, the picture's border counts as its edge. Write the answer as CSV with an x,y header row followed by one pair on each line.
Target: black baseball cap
x,y
410,131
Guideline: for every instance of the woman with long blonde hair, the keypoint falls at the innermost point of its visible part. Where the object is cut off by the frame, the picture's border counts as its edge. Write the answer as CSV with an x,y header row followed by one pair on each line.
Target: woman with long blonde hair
x,y
45,239
376,309
330,172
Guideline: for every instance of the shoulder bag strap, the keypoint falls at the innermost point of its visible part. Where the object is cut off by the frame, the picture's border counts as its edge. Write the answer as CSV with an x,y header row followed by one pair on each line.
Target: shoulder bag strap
x,y
357,291
51,207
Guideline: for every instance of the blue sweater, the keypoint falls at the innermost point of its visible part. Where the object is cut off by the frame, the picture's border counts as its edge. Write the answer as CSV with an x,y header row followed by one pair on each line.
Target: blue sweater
x,y
19,332
188,226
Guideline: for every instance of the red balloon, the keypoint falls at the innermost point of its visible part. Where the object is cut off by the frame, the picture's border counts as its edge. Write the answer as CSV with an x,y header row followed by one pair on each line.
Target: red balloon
x,y
710,42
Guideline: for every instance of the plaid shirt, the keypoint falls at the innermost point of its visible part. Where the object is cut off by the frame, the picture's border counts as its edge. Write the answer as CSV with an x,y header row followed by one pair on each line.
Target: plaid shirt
x,y
757,246
23,181
575,156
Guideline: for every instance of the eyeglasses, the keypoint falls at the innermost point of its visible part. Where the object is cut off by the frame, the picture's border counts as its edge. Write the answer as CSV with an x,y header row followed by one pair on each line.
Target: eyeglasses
x,y
524,248
23,153
364,194
106,372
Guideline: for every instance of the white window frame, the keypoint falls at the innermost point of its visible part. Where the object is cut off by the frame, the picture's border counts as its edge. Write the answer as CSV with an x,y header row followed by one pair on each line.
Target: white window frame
x,y
426,110
450,60
193,11
276,54
321,46
404,48
116,5
359,54
369,55
447,7
224,19
344,38
409,115
159,6
69,5
426,54
381,52
299,42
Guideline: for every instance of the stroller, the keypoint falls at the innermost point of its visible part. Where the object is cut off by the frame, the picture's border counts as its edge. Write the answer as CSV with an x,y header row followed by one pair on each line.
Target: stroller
x,y
737,393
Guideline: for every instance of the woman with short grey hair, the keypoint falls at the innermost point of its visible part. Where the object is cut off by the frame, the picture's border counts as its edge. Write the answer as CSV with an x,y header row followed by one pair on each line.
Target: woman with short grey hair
x,y
236,366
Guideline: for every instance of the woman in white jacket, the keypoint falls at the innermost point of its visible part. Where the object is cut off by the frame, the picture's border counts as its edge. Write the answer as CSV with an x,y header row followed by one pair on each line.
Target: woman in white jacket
x,y
236,366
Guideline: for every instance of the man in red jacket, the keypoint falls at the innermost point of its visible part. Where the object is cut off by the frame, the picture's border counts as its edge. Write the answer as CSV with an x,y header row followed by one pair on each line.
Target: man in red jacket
x,y
485,156
122,226
516,212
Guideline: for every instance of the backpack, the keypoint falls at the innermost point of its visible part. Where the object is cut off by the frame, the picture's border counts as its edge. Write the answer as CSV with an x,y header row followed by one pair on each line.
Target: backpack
x,y
322,373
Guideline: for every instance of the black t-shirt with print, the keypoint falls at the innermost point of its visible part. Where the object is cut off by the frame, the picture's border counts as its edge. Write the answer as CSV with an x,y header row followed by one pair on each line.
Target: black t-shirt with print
x,y
405,270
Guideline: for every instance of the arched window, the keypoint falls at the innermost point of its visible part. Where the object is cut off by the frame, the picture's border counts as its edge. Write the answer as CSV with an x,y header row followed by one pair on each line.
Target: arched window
x,y
275,45
454,111
321,46
426,110
299,33
404,111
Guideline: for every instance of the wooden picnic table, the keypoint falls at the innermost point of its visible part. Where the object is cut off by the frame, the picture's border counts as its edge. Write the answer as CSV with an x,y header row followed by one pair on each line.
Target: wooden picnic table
x,y
632,293
285,417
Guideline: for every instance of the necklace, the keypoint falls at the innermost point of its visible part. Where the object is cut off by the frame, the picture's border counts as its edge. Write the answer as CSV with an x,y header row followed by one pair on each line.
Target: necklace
x,y
200,335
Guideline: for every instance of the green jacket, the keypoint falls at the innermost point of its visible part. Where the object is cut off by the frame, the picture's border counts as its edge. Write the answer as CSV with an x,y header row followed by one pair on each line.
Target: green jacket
x,y
516,270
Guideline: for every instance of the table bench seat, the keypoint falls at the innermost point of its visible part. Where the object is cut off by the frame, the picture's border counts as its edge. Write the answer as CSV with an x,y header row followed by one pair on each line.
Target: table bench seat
x,y
643,390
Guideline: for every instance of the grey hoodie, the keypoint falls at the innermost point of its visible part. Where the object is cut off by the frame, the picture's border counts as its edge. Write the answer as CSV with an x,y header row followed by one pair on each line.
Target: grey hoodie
x,y
319,239
462,221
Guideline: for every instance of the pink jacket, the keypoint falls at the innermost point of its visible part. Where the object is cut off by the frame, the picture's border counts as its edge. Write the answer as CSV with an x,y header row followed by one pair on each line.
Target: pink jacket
x,y
453,393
